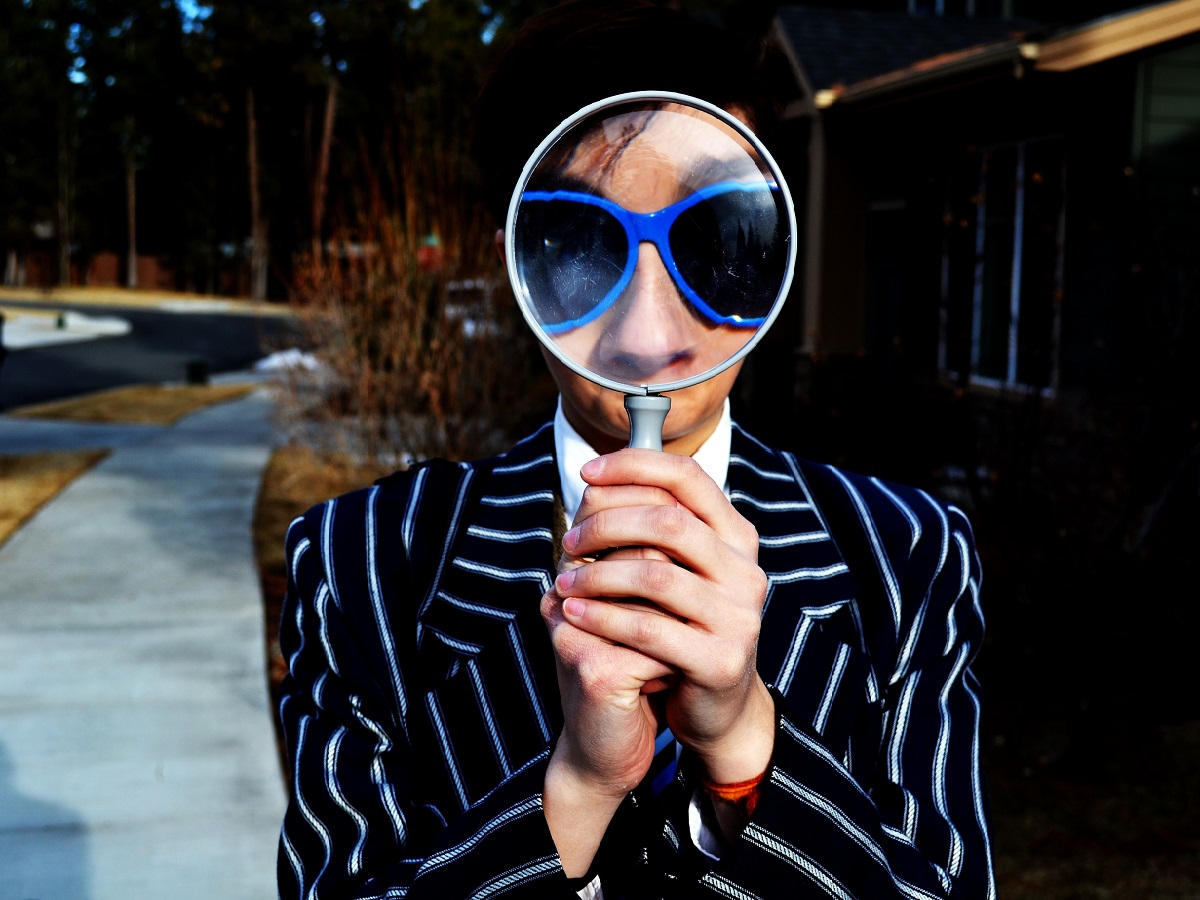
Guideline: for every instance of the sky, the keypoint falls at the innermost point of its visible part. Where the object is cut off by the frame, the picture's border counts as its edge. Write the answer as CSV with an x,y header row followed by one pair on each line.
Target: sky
x,y
193,11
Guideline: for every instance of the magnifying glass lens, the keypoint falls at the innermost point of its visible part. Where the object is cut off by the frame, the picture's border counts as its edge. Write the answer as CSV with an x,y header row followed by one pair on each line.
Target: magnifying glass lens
x,y
650,242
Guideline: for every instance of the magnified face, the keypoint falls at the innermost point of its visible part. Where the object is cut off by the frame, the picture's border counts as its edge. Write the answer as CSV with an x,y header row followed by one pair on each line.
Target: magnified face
x,y
650,243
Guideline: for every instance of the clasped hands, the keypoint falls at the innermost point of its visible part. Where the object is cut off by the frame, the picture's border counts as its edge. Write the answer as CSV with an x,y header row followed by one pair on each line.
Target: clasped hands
x,y
654,616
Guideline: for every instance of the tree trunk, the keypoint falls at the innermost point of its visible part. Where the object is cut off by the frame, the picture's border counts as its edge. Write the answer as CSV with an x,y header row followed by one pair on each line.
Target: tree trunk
x,y
258,227
131,279
63,204
322,176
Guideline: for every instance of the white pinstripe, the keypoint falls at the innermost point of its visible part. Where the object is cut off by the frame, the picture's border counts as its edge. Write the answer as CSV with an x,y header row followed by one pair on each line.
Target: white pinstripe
x,y
543,460
510,537
770,505
735,460
339,797
448,755
489,718
895,764
727,888
516,877
387,791
881,558
379,610
526,807
845,824
914,523
955,861
808,574
831,687
306,811
791,540
781,849
519,500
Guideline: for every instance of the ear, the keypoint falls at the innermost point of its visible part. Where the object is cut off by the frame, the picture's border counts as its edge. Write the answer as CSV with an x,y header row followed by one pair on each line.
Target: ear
x,y
498,240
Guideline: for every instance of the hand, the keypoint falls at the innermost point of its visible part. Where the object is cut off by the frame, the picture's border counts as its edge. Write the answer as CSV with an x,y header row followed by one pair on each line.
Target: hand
x,y
610,724
696,563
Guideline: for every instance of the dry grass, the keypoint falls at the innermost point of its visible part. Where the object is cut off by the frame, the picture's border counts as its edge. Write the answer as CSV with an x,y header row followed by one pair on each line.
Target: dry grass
x,y
29,481
143,404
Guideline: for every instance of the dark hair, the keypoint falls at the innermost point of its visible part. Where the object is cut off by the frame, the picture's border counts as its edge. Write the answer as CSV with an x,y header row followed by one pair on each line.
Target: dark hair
x,y
582,51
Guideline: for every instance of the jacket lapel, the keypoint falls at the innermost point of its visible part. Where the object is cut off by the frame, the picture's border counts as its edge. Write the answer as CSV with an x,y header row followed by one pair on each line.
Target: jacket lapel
x,y
488,665
812,645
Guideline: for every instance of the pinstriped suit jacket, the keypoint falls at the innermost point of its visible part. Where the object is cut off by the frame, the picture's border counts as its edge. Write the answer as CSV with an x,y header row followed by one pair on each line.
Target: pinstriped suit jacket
x,y
421,701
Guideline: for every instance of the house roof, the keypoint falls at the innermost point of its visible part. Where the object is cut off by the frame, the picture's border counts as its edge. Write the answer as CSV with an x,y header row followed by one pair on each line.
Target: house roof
x,y
848,55
1113,36
841,47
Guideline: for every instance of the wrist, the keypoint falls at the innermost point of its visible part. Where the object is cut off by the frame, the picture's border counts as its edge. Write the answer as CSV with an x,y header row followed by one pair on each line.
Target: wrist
x,y
744,752
568,779
578,811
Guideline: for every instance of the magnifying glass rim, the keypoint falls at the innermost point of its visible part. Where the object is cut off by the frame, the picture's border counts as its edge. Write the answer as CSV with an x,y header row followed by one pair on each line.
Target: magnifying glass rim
x,y
539,154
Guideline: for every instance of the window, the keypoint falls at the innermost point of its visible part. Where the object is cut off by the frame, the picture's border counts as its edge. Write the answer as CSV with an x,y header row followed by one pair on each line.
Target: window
x,y
1002,267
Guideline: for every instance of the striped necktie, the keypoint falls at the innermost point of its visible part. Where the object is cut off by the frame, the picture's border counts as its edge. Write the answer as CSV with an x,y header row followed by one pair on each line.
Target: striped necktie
x,y
662,767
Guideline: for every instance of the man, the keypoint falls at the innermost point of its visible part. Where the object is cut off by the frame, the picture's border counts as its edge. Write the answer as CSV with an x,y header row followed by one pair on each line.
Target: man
x,y
479,707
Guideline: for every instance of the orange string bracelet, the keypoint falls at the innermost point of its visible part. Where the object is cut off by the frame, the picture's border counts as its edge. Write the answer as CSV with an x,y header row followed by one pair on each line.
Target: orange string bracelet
x,y
743,793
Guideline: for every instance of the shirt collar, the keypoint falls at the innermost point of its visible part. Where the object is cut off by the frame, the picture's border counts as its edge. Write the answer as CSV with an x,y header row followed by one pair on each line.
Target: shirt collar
x,y
572,451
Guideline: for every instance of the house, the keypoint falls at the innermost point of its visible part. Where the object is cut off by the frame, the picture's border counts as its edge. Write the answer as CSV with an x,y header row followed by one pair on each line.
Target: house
x,y
991,206
998,298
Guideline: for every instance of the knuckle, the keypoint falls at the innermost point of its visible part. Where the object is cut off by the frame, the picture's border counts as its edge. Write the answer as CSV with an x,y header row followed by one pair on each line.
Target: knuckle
x,y
549,606
747,622
657,577
725,669
646,629
668,521
750,536
760,583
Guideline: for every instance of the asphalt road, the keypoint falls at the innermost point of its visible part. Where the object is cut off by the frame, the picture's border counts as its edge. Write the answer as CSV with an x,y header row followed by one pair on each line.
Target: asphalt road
x,y
160,347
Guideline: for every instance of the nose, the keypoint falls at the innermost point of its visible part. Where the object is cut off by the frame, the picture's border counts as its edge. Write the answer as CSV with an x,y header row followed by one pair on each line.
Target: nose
x,y
649,331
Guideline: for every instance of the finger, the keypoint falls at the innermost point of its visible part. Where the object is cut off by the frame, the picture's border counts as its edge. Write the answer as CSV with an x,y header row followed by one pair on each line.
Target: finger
x,y
568,561
670,529
598,497
595,659
668,589
663,588
698,658
574,556
684,479
619,553
649,633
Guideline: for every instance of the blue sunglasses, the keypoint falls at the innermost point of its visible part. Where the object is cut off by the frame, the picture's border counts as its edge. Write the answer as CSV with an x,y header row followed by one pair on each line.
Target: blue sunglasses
x,y
725,248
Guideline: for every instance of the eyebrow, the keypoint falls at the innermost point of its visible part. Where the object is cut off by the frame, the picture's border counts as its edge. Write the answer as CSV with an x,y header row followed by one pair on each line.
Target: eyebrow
x,y
559,181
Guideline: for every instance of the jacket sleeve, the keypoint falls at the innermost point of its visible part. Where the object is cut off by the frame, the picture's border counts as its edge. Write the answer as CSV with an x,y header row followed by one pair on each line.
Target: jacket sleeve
x,y
913,822
353,826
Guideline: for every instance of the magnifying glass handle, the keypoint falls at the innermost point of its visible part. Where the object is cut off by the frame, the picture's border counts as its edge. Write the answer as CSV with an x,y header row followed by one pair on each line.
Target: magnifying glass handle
x,y
646,416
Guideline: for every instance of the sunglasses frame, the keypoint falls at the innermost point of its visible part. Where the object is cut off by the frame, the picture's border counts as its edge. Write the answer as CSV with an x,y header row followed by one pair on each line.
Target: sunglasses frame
x,y
654,228
521,292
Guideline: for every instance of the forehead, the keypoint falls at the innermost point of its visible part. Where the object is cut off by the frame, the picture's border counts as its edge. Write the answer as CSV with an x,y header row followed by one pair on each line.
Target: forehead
x,y
651,157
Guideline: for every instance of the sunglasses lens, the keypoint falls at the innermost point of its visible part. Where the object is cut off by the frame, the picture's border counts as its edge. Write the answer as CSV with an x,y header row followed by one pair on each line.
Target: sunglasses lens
x,y
732,251
570,255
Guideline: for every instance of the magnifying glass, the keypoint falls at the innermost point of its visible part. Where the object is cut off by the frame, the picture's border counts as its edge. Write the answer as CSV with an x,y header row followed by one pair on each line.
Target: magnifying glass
x,y
650,243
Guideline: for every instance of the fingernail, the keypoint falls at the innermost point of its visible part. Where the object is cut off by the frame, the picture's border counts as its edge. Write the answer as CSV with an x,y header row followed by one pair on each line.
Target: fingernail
x,y
565,581
592,467
574,608
571,539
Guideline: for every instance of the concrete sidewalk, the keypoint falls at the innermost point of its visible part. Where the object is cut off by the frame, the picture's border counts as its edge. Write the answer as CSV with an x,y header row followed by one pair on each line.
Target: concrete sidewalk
x,y
137,753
